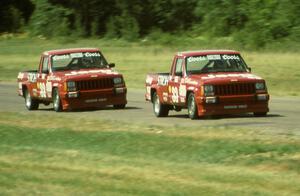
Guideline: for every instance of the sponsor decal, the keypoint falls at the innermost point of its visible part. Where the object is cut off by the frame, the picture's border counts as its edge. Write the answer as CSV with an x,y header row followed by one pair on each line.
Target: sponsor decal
x,y
214,57
92,54
162,80
190,81
49,88
53,78
44,76
149,80
76,55
230,57
60,57
31,77
235,106
182,90
95,100
196,59
176,79
20,75
191,88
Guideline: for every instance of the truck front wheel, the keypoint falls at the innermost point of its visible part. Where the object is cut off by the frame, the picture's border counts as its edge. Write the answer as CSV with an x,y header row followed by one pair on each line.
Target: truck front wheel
x,y
30,103
260,114
192,107
56,101
159,109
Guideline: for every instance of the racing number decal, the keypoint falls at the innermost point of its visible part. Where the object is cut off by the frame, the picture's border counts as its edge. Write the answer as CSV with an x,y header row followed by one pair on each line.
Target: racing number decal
x,y
42,87
175,96
45,89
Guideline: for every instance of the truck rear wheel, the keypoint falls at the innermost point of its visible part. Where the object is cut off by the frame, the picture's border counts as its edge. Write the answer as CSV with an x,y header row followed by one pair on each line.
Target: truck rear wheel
x,y
159,109
56,101
30,103
192,107
121,106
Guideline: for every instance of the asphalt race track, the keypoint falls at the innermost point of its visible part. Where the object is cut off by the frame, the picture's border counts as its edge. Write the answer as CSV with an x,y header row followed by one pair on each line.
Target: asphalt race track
x,y
283,118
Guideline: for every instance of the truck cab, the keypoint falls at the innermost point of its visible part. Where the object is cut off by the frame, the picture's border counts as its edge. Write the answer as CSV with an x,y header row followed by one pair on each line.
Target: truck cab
x,y
73,79
213,82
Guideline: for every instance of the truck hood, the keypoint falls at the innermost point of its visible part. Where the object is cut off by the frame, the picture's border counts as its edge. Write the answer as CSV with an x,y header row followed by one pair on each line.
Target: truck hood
x,y
86,73
225,77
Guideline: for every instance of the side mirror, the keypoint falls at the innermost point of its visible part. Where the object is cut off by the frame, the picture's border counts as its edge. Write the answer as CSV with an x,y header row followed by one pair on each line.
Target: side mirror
x,y
249,69
110,65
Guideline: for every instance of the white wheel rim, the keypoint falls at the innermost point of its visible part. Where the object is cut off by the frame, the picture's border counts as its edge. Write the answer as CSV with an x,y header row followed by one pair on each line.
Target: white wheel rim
x,y
192,106
56,101
28,99
156,105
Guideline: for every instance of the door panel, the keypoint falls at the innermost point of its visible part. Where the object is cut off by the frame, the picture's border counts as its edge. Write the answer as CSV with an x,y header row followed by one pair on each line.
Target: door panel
x,y
174,82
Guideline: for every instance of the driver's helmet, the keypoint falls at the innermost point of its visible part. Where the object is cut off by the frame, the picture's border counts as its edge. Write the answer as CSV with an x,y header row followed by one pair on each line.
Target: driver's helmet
x,y
86,62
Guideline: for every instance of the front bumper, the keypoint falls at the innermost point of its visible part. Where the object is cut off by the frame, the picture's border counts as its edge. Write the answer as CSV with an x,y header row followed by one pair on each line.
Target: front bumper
x,y
93,98
236,104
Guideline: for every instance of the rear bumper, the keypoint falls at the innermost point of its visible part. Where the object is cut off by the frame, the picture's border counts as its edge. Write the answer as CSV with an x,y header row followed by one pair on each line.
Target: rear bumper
x,y
94,98
233,105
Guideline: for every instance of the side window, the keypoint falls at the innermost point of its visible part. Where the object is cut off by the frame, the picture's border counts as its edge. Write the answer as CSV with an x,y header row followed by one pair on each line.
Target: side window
x,y
178,67
45,65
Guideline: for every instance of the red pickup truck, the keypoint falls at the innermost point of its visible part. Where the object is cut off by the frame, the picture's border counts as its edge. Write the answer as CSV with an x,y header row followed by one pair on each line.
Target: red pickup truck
x,y
72,79
207,83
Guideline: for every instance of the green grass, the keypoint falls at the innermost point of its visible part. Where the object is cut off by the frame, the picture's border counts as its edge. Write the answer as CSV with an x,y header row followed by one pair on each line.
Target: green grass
x,y
42,155
280,69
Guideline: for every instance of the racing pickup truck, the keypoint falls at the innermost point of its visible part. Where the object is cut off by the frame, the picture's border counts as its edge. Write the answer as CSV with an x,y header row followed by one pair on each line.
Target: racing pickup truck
x,y
208,83
72,79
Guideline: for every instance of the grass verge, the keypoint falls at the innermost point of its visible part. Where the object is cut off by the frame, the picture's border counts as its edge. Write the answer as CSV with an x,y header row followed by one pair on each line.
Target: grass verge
x,y
114,158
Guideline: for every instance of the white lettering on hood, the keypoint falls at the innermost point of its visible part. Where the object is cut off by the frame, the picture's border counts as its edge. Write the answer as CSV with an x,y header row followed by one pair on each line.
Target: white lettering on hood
x,y
249,76
108,71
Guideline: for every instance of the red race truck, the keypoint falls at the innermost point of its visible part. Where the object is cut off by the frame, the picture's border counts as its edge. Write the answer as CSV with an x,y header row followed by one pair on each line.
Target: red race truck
x,y
72,79
207,83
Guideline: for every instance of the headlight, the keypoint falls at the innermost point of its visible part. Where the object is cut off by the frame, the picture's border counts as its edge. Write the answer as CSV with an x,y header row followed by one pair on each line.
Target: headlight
x,y
260,86
71,86
117,80
208,90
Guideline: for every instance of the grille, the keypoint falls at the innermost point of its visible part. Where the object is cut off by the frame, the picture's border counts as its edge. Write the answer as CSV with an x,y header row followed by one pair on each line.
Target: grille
x,y
95,84
235,89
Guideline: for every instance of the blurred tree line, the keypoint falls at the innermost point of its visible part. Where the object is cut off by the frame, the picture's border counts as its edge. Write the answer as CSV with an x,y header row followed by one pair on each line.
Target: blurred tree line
x,y
249,21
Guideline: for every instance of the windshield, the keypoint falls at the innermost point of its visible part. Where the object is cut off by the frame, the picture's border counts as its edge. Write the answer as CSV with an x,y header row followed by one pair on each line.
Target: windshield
x,y
215,63
76,61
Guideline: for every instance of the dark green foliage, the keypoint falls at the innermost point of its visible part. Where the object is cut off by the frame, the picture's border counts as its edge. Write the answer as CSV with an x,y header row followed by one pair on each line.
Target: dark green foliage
x,y
252,23
14,14
49,20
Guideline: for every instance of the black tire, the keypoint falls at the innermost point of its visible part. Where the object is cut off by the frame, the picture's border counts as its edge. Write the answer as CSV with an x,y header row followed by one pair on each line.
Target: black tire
x,y
30,103
120,106
159,109
56,101
260,114
192,107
